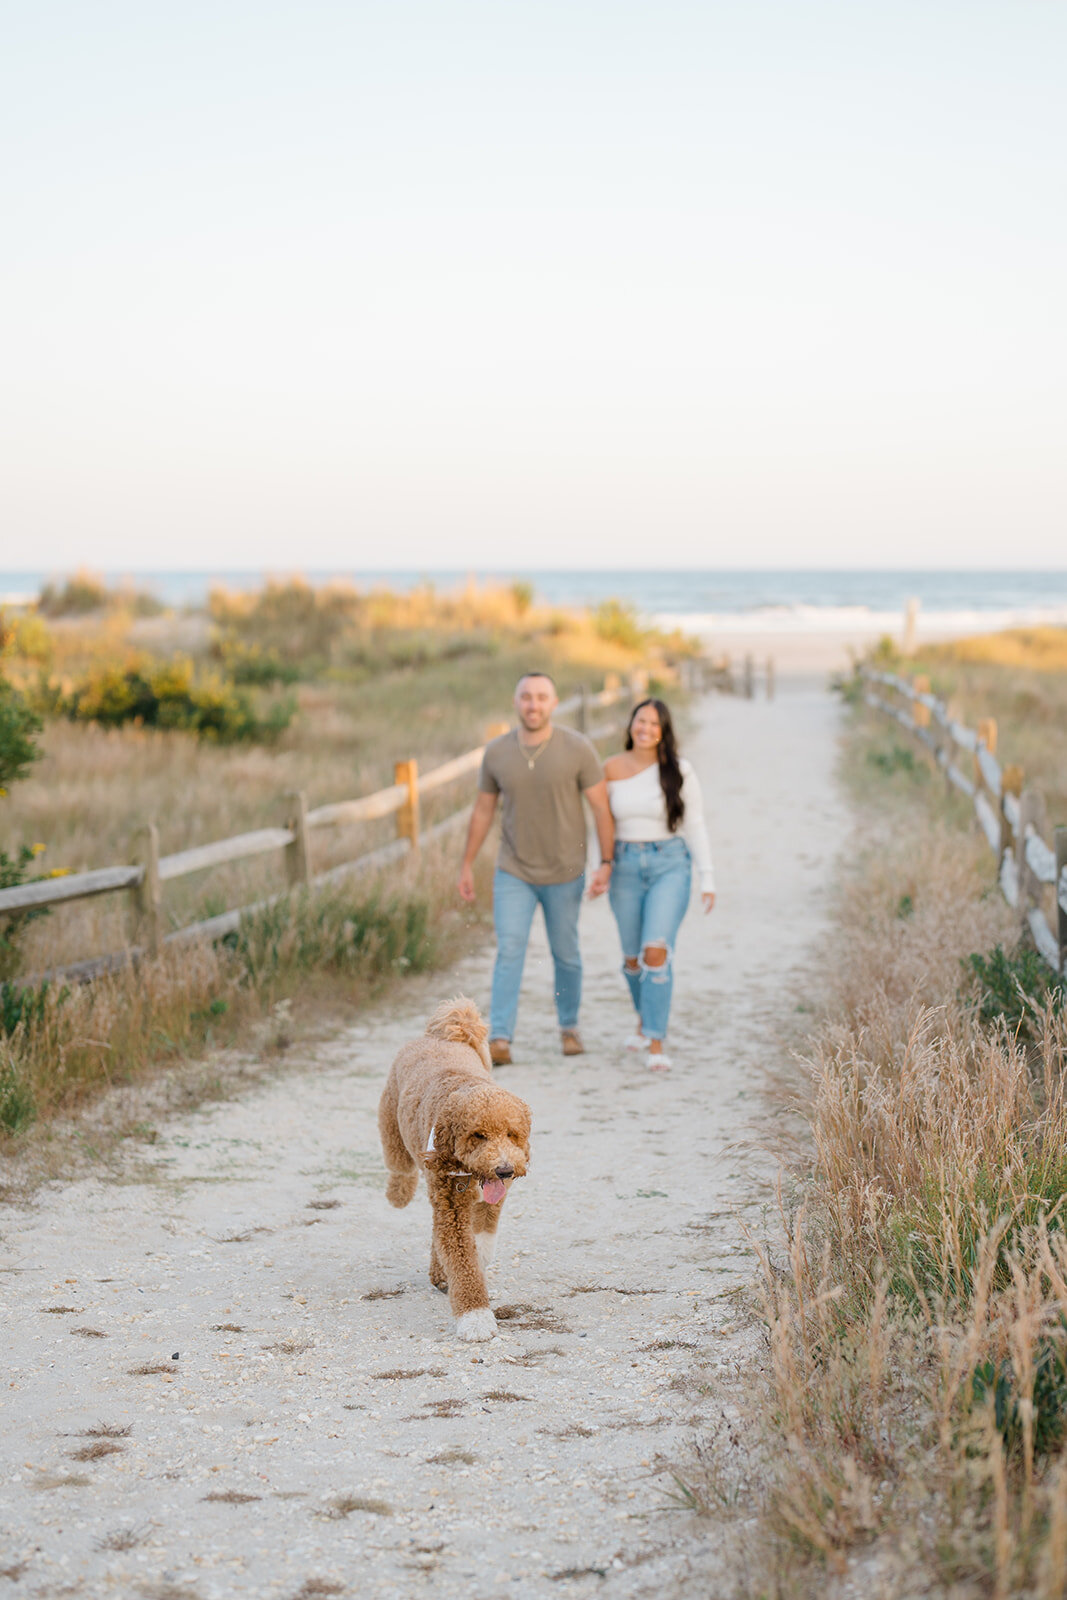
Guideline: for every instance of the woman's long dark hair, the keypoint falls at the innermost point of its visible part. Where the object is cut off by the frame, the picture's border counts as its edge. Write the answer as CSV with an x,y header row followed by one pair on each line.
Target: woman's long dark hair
x,y
670,771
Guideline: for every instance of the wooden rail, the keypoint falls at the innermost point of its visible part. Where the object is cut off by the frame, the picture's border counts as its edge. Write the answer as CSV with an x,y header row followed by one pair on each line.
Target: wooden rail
x,y
144,879
1013,818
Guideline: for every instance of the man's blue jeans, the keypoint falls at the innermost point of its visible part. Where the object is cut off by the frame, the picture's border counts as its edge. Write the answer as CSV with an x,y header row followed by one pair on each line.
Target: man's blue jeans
x,y
650,895
514,904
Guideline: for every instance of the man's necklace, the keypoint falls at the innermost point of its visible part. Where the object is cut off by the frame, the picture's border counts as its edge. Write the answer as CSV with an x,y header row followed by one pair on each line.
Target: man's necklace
x,y
532,760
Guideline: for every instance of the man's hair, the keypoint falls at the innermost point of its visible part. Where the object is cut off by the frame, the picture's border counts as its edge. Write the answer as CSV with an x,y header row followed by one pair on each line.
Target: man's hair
x,y
536,674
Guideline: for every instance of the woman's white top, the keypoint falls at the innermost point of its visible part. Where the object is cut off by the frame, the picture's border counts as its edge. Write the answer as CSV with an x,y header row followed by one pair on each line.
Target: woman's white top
x,y
640,811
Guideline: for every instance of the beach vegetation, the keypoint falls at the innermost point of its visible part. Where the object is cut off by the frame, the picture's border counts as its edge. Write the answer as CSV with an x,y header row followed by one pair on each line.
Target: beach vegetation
x,y
916,1408
169,694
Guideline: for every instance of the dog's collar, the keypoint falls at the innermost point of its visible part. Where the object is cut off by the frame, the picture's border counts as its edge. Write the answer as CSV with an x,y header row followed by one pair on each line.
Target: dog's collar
x,y
431,1149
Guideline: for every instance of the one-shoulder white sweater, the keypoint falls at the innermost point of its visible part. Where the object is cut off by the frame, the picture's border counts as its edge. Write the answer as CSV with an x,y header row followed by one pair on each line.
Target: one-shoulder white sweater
x,y
640,813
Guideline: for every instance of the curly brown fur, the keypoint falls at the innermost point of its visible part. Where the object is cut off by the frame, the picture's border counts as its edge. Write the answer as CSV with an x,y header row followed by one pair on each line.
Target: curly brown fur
x,y
442,1114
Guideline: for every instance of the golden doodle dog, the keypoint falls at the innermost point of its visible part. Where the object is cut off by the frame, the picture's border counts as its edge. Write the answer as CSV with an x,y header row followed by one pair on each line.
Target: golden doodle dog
x,y
442,1113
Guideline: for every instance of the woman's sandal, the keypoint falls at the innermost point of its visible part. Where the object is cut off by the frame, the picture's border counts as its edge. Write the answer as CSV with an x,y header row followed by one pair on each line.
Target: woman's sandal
x,y
659,1061
635,1041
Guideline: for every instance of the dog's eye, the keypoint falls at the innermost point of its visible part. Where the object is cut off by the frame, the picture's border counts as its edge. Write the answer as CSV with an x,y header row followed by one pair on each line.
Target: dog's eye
x,y
478,1136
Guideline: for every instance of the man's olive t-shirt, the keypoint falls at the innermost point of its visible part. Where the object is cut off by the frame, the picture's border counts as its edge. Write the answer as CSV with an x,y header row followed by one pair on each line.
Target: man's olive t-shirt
x,y
543,824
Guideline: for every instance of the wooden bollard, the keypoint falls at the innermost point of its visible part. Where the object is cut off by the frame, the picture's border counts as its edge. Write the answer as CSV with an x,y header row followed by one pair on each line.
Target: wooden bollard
x,y
148,895
750,678
921,713
407,818
297,854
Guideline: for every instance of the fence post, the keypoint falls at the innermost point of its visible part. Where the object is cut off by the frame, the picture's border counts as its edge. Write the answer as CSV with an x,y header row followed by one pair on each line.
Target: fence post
x,y
494,730
1060,891
407,818
297,854
750,678
612,683
148,895
921,713
987,735
1011,782
582,719
770,677
638,684
1031,814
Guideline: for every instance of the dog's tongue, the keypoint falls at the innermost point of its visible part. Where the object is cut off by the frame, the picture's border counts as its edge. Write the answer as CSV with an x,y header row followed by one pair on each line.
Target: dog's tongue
x,y
493,1191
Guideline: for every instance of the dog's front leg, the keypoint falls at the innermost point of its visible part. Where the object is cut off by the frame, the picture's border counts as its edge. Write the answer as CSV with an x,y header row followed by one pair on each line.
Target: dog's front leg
x,y
454,1247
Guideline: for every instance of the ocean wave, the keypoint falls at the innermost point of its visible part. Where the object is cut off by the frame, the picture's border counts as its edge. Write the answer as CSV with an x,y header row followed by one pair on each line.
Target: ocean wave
x,y
865,620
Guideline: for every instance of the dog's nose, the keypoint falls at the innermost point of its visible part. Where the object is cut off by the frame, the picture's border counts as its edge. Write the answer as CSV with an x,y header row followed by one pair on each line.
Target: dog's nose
x,y
505,1172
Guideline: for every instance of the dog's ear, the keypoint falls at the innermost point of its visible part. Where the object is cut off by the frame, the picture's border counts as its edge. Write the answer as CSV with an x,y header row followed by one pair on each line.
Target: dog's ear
x,y
441,1146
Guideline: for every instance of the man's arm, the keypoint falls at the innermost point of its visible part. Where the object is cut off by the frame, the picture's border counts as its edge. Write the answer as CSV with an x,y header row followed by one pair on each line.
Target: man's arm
x,y
480,823
597,796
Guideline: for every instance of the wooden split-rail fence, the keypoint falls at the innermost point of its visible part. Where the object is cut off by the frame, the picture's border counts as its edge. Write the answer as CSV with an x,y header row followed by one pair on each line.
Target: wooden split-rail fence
x,y
144,878
1012,817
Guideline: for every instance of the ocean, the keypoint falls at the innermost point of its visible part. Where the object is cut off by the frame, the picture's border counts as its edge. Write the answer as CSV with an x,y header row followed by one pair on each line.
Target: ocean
x,y
705,602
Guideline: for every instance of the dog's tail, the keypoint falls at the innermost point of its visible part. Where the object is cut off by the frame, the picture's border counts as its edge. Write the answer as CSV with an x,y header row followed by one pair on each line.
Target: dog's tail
x,y
460,1022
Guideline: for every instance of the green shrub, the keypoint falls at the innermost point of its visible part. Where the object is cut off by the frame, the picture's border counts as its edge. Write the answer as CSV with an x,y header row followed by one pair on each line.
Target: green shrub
x,y
332,932
1013,990
618,623
13,873
897,758
17,1105
168,695
19,726
254,665
75,598
523,593
24,1005
998,1386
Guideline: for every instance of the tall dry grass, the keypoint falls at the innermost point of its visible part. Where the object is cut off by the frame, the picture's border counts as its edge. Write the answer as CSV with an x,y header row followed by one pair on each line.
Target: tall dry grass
x,y
1020,678
337,947
917,1387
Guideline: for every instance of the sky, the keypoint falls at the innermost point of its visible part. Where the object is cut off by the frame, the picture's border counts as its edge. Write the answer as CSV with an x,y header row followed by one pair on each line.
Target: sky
x,y
475,283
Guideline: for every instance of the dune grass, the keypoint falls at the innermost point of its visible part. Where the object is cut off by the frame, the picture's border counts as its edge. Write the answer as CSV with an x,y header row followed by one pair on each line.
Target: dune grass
x,y
916,1407
1018,677
335,949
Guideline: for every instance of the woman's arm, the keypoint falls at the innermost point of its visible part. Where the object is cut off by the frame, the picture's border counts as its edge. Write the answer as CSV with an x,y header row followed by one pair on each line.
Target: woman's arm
x,y
695,833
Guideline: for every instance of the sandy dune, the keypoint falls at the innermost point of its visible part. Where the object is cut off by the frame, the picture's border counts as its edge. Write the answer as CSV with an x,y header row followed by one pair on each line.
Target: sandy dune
x,y
241,1299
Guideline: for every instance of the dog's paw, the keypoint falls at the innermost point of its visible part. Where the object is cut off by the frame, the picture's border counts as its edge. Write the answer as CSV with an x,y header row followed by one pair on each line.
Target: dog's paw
x,y
476,1325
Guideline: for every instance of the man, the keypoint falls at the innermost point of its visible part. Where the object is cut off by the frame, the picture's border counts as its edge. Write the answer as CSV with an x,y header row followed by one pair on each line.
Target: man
x,y
542,772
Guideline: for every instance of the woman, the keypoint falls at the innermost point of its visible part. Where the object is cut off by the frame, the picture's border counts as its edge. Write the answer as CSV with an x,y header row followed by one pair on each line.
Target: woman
x,y
659,837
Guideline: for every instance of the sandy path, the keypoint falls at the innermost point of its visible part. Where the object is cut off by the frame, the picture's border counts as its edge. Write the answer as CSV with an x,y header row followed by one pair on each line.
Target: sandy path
x,y
302,1360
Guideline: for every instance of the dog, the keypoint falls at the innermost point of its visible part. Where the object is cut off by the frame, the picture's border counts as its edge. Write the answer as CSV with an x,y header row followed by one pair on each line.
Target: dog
x,y
441,1112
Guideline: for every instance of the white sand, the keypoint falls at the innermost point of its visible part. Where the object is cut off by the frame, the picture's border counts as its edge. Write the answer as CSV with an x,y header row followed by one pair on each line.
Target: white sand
x,y
624,1236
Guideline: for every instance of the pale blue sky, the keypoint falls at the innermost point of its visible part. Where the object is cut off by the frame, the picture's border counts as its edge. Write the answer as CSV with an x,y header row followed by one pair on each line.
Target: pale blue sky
x,y
550,283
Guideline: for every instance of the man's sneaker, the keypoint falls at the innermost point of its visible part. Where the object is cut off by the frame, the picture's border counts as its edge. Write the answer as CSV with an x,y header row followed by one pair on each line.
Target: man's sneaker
x,y
572,1042
500,1052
